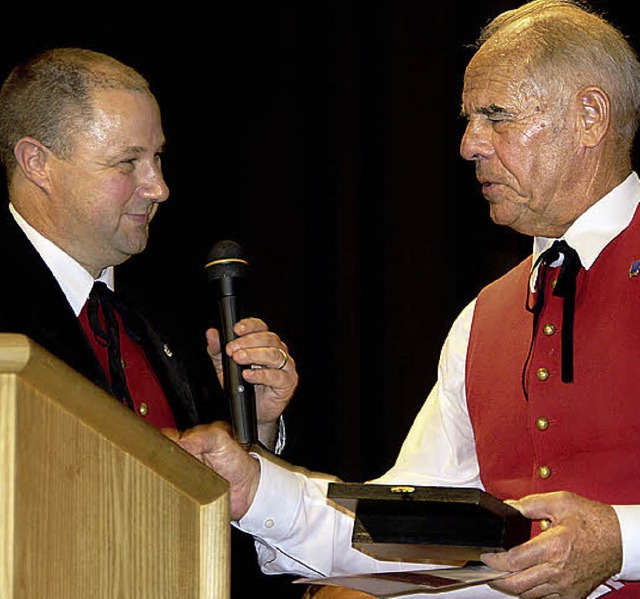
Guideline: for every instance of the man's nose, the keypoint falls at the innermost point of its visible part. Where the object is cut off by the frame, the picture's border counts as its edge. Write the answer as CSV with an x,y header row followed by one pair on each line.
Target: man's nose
x,y
475,142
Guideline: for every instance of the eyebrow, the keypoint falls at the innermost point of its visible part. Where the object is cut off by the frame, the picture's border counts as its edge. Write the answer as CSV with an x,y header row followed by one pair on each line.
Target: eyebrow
x,y
142,149
491,110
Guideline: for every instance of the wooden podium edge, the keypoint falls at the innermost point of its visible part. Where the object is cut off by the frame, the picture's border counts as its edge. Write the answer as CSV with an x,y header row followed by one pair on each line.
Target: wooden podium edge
x,y
24,358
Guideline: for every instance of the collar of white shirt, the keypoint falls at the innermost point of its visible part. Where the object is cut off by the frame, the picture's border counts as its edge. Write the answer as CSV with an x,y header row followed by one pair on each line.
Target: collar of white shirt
x,y
75,281
599,225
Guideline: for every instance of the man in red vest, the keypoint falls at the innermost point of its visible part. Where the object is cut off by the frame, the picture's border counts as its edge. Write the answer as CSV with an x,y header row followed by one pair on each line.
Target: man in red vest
x,y
536,399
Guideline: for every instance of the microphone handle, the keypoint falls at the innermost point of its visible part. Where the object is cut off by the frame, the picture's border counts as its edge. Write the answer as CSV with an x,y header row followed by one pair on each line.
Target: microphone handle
x,y
240,394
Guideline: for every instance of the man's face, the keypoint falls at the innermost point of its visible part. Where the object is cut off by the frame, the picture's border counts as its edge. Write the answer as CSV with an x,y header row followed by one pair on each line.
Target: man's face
x,y
105,194
523,144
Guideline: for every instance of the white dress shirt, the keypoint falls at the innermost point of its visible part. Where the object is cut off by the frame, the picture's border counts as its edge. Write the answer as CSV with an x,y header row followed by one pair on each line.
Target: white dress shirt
x,y
299,532
73,278
76,283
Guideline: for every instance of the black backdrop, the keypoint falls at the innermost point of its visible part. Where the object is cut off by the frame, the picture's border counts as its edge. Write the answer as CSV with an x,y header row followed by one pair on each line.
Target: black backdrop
x,y
323,136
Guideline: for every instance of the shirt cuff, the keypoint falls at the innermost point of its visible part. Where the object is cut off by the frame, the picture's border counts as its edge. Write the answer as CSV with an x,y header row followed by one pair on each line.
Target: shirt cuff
x,y
629,519
277,498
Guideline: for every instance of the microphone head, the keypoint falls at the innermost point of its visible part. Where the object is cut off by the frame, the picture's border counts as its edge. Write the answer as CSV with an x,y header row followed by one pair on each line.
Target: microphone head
x,y
225,259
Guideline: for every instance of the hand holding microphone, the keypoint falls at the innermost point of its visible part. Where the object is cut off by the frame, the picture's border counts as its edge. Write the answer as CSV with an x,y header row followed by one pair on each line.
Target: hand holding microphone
x,y
226,268
264,360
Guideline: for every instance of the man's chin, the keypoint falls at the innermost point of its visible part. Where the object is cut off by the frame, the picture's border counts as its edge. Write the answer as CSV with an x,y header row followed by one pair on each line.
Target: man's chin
x,y
520,225
128,252
514,221
502,217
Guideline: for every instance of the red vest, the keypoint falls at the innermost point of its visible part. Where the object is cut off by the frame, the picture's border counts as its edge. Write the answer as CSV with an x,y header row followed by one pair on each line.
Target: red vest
x,y
149,400
582,436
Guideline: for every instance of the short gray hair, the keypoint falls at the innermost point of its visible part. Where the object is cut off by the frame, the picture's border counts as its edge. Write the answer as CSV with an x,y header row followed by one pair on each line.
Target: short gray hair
x,y
48,97
566,41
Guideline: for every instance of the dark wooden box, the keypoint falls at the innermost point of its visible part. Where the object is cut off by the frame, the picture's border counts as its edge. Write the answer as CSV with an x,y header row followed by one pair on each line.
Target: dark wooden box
x,y
429,524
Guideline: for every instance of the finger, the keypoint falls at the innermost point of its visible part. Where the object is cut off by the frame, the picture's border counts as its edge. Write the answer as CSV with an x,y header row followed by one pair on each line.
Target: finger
x,y
281,382
204,438
213,342
258,339
532,582
171,433
543,505
520,557
544,556
275,358
523,590
250,325
500,562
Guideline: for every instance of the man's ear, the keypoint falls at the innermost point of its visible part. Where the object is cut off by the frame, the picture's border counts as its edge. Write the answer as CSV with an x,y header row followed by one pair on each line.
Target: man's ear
x,y
594,115
32,157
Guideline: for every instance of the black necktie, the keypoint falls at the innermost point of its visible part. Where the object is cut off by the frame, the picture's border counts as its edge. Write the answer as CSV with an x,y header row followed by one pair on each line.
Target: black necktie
x,y
565,288
101,297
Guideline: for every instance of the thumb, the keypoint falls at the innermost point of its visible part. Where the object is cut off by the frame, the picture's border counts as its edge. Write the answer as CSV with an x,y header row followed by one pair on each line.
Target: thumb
x,y
535,507
214,349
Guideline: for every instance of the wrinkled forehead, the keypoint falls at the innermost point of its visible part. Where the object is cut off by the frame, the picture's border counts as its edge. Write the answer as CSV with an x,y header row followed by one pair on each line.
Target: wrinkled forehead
x,y
498,76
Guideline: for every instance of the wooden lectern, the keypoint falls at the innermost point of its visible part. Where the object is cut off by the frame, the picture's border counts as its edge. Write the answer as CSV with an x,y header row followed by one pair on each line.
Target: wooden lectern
x,y
94,502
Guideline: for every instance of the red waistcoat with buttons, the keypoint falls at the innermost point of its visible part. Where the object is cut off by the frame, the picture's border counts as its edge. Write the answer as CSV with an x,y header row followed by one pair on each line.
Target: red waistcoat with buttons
x,y
582,436
149,400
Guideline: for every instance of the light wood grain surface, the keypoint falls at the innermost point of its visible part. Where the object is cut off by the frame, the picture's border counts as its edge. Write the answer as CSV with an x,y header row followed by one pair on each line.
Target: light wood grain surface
x,y
94,502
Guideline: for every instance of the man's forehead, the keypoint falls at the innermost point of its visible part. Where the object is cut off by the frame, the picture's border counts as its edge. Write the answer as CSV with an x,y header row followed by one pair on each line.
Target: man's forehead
x,y
123,122
112,99
495,82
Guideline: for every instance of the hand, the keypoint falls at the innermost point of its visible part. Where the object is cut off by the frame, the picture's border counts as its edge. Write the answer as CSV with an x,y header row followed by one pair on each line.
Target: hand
x,y
214,446
256,345
581,549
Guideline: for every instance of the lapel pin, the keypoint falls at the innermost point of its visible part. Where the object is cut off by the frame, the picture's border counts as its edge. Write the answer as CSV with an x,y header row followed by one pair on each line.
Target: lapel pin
x,y
634,269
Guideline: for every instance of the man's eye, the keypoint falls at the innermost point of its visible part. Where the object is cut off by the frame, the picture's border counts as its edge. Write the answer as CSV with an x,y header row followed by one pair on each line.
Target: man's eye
x,y
127,165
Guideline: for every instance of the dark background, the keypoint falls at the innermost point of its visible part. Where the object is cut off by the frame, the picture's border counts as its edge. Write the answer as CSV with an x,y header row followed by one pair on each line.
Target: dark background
x,y
323,137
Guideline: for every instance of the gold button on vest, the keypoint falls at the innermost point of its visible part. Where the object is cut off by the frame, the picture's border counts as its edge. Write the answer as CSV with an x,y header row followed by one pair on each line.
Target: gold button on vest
x,y
549,329
542,374
544,472
542,424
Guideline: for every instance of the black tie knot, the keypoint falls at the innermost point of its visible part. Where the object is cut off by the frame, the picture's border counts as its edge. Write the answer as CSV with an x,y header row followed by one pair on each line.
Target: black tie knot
x,y
565,287
566,282
101,291
102,297
111,303
103,300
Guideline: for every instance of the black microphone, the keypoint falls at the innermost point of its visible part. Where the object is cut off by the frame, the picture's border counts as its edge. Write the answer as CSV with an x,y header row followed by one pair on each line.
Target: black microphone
x,y
225,268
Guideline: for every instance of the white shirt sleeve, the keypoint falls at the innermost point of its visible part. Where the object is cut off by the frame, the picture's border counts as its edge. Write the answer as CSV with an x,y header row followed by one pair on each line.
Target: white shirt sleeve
x,y
629,519
299,531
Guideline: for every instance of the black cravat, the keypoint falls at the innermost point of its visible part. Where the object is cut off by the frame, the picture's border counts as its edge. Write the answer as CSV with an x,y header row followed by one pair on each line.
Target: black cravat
x,y
101,297
565,288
